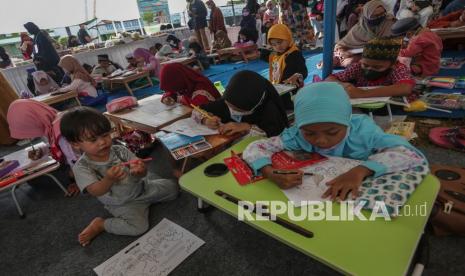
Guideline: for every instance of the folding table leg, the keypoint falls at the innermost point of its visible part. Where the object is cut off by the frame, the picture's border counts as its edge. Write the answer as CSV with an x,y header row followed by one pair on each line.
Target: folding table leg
x,y
389,112
58,183
15,200
203,207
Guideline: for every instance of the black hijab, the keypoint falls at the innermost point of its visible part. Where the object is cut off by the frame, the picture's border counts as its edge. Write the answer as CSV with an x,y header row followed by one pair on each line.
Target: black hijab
x,y
245,91
173,41
32,28
43,46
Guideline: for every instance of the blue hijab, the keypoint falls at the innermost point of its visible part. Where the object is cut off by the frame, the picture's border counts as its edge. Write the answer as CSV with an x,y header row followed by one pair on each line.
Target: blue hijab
x,y
327,102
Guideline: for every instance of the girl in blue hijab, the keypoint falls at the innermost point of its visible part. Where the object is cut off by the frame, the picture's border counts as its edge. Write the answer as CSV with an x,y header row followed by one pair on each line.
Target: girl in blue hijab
x,y
324,123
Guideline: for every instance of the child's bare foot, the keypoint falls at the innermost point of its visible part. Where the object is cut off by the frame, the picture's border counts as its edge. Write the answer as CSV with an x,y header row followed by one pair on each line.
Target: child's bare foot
x,y
94,228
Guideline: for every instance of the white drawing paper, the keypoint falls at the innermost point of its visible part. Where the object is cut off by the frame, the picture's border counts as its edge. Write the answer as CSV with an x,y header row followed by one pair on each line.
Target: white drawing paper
x,y
190,128
156,253
313,187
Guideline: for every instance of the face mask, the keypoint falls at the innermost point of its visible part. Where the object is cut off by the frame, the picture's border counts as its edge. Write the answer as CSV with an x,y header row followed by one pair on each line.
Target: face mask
x,y
376,21
372,75
237,115
406,39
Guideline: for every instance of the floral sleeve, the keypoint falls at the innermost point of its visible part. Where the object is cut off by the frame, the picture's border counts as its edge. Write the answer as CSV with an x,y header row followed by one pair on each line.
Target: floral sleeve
x,y
258,154
393,160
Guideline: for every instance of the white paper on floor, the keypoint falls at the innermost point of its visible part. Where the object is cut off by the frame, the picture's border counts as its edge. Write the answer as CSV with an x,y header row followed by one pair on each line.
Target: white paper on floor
x,y
313,187
157,252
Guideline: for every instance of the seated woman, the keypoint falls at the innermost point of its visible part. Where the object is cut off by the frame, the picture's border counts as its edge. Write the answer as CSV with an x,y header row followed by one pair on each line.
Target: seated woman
x,y
324,123
375,22
195,50
378,67
29,119
43,83
221,40
454,19
424,47
286,62
164,53
147,62
419,9
247,37
173,42
81,81
250,105
184,85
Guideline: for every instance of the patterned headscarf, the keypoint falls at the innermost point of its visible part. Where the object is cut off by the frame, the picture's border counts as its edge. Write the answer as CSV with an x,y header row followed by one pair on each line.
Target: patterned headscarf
x,y
382,49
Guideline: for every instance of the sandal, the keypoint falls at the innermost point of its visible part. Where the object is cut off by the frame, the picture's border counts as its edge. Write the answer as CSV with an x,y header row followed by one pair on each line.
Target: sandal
x,y
450,138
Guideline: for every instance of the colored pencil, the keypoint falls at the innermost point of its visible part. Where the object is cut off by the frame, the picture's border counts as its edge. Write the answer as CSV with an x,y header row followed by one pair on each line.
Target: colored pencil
x,y
203,112
290,172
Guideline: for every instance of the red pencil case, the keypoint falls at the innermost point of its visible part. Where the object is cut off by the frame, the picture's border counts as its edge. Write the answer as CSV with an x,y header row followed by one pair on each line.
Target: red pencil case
x,y
121,103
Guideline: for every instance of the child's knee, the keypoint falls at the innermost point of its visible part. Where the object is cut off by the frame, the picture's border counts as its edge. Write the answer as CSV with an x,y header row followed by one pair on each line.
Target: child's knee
x,y
137,228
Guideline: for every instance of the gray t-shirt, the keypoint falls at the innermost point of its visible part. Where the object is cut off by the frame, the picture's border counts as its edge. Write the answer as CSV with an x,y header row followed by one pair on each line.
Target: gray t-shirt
x,y
87,172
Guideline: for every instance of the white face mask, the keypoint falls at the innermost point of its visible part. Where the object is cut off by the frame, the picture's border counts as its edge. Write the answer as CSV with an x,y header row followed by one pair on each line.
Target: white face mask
x,y
237,115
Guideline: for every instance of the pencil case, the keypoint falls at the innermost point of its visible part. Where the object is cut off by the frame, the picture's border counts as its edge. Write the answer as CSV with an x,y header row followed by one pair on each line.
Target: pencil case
x,y
7,166
121,103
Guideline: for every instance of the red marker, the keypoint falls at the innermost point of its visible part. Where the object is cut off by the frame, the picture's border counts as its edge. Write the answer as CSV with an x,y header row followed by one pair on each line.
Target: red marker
x,y
135,161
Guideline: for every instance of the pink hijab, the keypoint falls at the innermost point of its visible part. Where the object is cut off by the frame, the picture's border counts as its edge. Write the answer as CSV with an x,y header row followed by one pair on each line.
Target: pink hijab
x,y
29,119
149,59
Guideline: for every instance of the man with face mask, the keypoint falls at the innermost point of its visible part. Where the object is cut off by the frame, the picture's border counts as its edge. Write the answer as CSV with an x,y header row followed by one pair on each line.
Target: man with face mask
x,y
421,45
377,67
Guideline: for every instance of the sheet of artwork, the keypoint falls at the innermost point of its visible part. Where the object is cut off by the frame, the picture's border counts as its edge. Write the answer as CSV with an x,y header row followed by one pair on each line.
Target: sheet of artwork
x,y
156,253
313,187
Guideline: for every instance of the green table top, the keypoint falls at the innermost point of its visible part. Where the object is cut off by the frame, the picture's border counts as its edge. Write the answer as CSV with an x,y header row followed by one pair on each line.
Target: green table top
x,y
353,247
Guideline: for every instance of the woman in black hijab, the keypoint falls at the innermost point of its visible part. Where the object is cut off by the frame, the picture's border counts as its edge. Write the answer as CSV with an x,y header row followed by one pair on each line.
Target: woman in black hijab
x,y
250,105
5,60
43,47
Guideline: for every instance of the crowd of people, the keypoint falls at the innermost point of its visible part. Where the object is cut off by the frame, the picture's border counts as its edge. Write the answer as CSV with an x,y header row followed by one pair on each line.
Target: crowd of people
x,y
394,50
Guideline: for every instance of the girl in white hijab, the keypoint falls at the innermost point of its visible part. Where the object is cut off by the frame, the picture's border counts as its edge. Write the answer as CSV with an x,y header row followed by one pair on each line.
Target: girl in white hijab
x,y
44,84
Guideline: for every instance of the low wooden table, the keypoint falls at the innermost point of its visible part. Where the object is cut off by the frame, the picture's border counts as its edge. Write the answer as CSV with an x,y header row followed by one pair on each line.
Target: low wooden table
x,y
185,61
447,33
125,80
50,99
246,53
150,115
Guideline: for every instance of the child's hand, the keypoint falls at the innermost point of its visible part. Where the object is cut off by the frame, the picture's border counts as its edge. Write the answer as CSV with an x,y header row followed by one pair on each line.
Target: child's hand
x,y
168,101
354,92
137,168
213,123
234,128
346,183
116,173
284,181
296,80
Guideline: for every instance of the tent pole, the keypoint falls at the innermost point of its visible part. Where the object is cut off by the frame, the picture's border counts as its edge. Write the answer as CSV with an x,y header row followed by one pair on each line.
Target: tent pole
x,y
114,27
140,26
122,25
329,28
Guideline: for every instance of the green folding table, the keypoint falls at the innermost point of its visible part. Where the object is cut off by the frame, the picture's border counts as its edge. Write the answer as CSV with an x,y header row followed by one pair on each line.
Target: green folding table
x,y
352,247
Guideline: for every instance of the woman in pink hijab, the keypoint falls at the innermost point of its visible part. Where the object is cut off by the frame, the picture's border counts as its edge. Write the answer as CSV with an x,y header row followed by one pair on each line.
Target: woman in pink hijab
x,y
150,63
28,119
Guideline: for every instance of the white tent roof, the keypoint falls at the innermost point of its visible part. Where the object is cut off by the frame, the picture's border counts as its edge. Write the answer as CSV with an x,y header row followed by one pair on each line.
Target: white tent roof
x,y
177,6
49,14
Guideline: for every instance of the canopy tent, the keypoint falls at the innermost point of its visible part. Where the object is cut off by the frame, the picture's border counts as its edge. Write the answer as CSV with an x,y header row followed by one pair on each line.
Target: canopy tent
x,y
178,6
49,14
